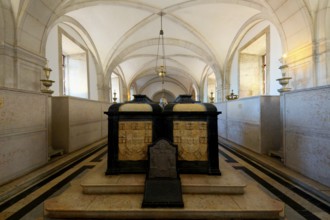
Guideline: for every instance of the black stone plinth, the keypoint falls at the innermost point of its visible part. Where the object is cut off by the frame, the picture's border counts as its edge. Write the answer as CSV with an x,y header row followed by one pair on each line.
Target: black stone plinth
x,y
162,186
162,193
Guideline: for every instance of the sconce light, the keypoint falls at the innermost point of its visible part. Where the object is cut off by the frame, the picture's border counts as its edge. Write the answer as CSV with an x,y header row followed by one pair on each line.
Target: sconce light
x,y
114,97
232,96
211,97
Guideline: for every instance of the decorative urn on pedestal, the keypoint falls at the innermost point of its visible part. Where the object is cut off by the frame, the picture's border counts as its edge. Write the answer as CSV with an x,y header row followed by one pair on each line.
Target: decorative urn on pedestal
x,y
114,97
211,98
284,81
47,82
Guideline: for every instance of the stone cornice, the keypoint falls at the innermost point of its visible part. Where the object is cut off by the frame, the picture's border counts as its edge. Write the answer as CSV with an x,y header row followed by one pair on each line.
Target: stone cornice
x,y
21,54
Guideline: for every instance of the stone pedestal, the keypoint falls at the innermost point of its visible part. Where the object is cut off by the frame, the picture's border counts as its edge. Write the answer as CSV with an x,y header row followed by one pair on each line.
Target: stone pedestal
x,y
99,196
162,188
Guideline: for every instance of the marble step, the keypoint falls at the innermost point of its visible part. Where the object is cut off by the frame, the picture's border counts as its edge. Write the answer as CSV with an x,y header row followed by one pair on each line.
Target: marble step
x,y
96,182
96,196
253,204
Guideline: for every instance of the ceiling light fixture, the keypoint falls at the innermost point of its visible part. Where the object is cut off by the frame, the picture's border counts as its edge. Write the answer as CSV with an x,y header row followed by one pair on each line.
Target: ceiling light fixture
x,y
161,70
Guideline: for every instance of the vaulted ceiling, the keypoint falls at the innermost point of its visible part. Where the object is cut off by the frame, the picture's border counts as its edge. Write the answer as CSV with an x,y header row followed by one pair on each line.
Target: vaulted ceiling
x,y
198,36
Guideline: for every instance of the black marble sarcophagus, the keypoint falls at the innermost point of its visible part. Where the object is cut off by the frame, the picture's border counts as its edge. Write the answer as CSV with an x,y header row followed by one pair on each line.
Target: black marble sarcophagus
x,y
193,127
132,127
135,125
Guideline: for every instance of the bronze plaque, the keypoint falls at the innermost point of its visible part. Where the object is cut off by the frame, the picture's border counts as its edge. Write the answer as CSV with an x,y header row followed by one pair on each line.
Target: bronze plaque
x,y
191,139
133,139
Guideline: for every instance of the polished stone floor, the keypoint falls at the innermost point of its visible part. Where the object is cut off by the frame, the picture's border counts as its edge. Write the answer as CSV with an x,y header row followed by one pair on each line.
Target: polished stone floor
x,y
303,198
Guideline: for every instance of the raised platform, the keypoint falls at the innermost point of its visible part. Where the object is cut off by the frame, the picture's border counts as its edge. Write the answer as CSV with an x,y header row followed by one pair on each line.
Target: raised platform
x,y
205,197
95,182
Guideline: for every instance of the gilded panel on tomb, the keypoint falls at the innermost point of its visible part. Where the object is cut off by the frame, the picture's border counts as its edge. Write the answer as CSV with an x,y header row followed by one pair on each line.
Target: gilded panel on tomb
x,y
133,139
191,139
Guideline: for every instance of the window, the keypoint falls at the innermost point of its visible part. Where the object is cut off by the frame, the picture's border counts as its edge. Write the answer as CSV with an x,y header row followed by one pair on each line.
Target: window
x,y
115,87
253,70
74,68
211,87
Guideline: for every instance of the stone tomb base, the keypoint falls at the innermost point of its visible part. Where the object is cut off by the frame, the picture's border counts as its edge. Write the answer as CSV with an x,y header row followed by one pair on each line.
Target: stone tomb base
x,y
98,196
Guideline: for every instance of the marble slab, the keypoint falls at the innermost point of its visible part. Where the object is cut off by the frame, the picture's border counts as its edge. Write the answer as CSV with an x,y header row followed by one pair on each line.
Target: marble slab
x,y
96,182
253,204
23,132
251,122
77,122
97,196
306,132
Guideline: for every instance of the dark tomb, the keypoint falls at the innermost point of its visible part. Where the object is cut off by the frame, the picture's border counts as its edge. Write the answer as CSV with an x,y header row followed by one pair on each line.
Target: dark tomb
x,y
190,125
193,127
132,126
162,185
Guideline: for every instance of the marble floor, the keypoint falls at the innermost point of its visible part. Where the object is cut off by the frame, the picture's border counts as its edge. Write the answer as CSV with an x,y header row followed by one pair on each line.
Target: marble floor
x,y
303,198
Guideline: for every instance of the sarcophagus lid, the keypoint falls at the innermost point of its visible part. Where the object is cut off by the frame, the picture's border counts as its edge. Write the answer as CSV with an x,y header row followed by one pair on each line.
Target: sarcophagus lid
x,y
140,103
184,103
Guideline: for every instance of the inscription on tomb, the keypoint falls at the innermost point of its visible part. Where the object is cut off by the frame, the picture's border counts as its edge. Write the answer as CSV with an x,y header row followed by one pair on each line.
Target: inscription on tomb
x,y
133,139
162,186
162,160
191,139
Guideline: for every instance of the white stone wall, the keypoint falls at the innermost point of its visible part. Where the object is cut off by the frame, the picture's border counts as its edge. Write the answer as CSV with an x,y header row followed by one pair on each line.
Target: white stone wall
x,y
252,122
222,119
77,122
23,132
20,69
306,127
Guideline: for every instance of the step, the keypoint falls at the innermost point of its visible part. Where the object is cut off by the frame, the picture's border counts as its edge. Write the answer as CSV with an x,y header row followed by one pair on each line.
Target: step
x,y
253,204
96,182
97,196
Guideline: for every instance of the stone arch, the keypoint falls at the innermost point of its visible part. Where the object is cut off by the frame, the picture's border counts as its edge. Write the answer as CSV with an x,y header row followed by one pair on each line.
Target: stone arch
x,y
2,24
175,42
78,28
251,4
271,18
112,62
28,37
64,8
7,23
8,71
167,93
327,25
150,71
124,89
327,19
204,76
83,34
322,49
167,79
307,32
